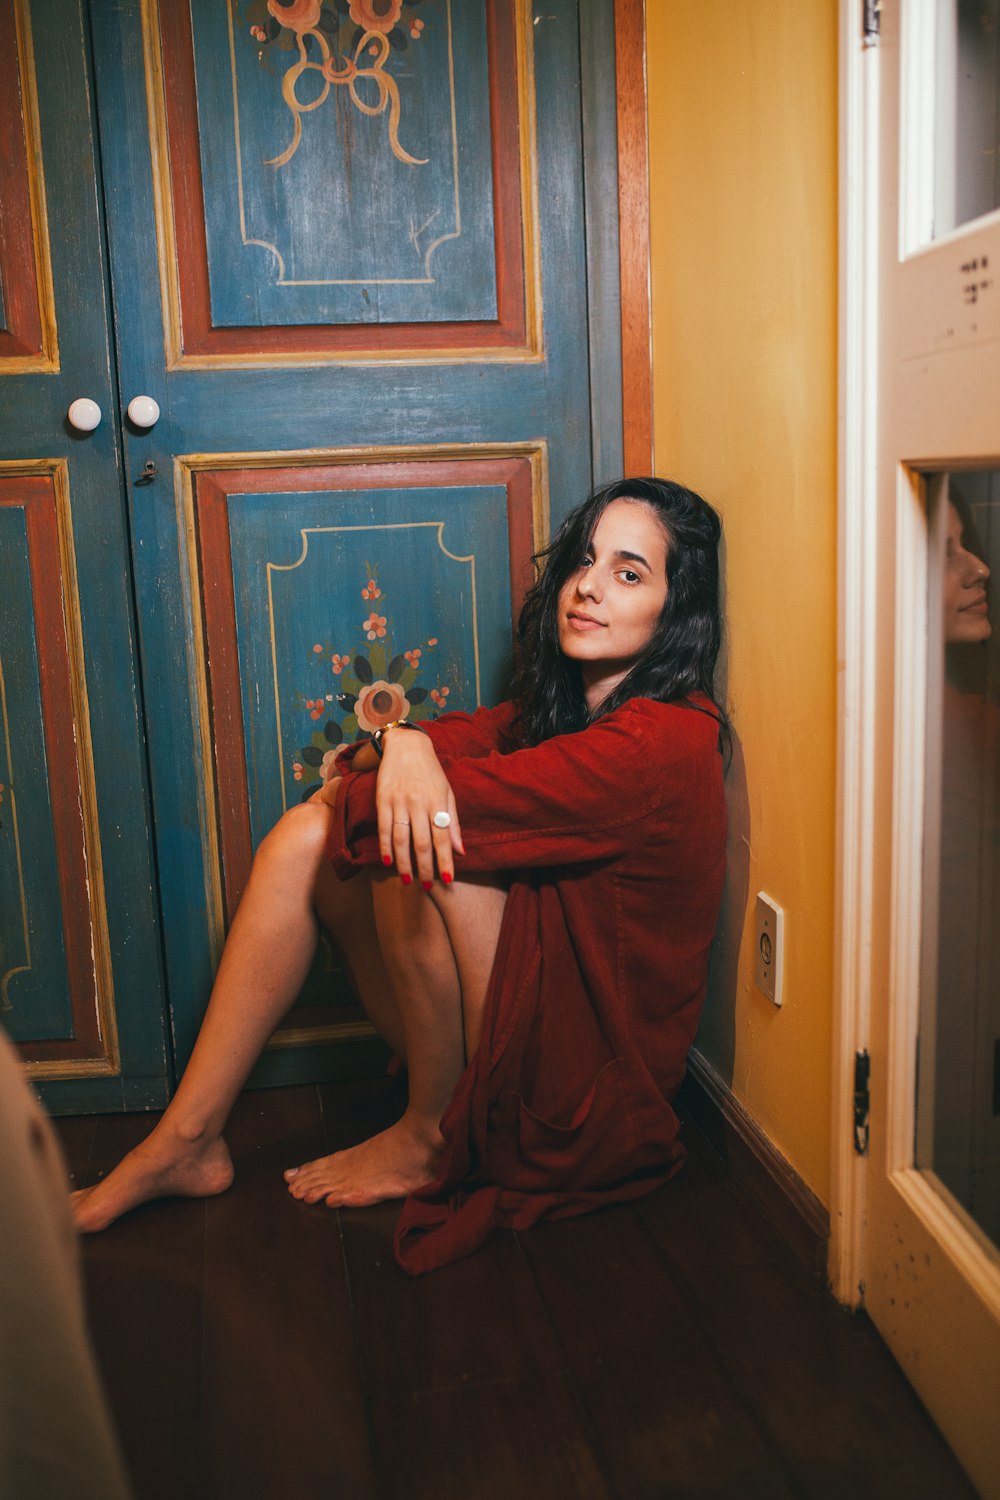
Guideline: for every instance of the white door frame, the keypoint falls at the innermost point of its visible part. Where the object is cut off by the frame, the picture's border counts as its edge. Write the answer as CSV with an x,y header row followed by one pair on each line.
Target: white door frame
x,y
933,1286
856,630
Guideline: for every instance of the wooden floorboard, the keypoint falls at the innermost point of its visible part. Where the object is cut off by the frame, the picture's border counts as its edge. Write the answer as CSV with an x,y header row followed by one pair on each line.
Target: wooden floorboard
x,y
816,1378
279,1347
660,1401
512,1440
256,1347
478,1320
144,1290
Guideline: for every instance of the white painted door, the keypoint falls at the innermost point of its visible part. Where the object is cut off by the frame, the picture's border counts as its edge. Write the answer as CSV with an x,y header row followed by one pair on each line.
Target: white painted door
x,y
931,1262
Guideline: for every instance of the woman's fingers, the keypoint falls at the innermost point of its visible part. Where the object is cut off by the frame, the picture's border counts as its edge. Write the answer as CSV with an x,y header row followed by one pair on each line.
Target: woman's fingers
x,y
384,816
408,835
455,831
421,837
443,853
399,848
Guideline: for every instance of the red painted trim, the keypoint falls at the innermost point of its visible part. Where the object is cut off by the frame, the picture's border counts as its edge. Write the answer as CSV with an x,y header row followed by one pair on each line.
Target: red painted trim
x,y
212,492
23,334
633,214
199,337
36,497
219,605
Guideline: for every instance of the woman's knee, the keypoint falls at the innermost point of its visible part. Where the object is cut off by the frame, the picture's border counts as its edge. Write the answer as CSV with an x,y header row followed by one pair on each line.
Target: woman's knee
x,y
299,837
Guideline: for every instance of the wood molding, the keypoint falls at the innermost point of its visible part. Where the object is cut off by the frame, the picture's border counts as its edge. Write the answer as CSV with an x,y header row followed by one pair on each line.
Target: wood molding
x,y
787,1200
192,337
633,220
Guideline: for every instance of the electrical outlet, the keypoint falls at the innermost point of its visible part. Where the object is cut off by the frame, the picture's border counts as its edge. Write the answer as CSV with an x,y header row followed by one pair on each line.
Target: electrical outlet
x,y
769,955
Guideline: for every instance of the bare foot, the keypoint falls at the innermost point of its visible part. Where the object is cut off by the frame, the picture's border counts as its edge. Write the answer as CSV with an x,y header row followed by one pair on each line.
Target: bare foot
x,y
390,1165
163,1166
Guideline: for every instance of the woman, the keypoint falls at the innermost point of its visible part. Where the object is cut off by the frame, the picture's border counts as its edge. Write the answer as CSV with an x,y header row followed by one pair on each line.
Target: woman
x,y
577,835
967,874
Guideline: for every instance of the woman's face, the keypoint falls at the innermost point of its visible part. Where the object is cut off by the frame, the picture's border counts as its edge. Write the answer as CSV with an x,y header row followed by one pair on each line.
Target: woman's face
x,y
966,609
609,606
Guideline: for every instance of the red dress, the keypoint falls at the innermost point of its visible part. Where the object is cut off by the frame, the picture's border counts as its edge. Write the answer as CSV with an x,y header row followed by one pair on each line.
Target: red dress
x,y
614,840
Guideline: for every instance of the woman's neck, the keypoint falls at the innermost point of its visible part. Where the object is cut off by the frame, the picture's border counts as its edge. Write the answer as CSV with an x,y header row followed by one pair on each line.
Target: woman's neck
x,y
599,684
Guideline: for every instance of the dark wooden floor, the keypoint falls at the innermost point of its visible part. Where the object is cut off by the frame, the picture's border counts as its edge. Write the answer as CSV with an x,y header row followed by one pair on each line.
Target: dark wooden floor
x,y
253,1347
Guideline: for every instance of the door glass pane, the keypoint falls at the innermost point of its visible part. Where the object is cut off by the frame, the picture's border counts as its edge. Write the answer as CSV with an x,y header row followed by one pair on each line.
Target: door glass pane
x,y
967,112
958,1114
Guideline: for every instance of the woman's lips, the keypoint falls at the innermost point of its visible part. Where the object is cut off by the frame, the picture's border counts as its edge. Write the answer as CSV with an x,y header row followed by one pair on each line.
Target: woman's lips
x,y
978,606
583,622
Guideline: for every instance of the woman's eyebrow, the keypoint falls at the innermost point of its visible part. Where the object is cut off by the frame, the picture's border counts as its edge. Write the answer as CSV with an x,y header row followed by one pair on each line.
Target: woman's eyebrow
x,y
633,557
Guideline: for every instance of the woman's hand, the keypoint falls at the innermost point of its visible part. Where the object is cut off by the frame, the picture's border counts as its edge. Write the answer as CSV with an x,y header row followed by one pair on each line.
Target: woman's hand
x,y
411,789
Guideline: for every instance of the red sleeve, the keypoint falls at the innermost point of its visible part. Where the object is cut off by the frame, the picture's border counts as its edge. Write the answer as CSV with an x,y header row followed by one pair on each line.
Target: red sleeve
x,y
459,734
577,798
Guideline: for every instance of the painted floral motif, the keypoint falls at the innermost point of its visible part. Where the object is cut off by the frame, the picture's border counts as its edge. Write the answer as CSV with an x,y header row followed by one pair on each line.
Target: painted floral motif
x,y
348,43
372,686
376,15
381,703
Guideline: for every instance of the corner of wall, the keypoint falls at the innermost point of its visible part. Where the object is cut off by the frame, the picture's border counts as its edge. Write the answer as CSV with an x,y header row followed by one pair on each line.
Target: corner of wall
x,y
743,231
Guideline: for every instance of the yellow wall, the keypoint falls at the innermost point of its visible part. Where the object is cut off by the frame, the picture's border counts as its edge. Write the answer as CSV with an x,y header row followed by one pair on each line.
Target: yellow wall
x,y
743,189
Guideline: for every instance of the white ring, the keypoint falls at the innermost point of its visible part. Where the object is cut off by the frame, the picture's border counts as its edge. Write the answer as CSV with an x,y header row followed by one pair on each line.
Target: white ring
x,y
442,819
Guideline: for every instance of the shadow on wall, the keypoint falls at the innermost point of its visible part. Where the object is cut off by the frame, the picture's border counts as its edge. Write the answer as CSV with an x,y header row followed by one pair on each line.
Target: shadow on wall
x,y
716,1039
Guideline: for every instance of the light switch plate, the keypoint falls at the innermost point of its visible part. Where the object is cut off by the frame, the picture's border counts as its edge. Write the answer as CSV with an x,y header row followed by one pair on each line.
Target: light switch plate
x,y
769,955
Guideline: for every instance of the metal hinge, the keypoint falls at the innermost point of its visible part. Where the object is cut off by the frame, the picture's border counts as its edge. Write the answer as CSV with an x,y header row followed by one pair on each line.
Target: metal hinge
x,y
862,1101
871,20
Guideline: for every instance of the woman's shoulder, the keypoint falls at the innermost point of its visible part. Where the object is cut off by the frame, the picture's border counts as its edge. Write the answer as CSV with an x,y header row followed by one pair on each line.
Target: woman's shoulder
x,y
696,716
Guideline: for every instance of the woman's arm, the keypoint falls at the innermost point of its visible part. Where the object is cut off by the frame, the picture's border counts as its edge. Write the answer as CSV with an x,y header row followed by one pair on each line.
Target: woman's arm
x,y
410,788
578,798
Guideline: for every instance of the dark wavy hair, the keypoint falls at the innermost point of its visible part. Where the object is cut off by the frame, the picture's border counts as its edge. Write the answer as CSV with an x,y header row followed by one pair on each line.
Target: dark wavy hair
x,y
680,657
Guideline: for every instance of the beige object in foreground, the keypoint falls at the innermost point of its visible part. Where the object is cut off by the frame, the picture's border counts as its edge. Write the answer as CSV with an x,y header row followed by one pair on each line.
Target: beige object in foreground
x,y
56,1436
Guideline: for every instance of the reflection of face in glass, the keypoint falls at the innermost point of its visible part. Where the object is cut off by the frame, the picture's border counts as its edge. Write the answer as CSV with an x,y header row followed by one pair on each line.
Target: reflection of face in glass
x,y
966,608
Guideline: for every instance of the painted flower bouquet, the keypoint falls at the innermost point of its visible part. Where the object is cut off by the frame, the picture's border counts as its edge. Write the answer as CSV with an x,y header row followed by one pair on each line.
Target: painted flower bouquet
x,y
373,687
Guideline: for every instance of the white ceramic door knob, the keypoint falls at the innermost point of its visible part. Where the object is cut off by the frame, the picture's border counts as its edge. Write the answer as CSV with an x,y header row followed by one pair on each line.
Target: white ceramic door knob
x,y
143,411
84,414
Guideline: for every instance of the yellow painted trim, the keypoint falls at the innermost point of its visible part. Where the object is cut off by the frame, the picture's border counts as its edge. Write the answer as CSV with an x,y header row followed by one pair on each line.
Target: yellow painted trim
x,y
47,360
530,352
186,467
12,793
103,972
313,1036
163,211
52,1069
110,1064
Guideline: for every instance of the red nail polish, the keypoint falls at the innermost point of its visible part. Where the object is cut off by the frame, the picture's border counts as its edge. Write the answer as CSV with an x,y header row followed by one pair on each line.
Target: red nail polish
x,y
387,859
406,879
428,885
447,878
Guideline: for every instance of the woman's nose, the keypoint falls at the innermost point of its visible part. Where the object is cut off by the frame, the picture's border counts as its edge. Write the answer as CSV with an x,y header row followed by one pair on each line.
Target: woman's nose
x,y
974,570
589,586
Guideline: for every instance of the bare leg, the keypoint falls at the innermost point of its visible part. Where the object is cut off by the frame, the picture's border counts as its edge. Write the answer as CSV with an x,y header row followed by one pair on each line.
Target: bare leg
x,y
346,911
266,959
472,911
438,952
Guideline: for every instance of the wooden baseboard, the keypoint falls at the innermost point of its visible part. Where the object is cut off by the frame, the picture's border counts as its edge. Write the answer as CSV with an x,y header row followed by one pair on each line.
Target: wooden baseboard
x,y
788,1202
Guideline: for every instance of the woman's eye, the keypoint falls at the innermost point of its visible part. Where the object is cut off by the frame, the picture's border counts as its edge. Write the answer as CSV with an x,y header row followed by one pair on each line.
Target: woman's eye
x,y
629,576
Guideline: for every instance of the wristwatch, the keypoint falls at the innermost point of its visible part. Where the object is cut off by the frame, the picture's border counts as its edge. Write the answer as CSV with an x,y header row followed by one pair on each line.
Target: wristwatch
x,y
395,724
